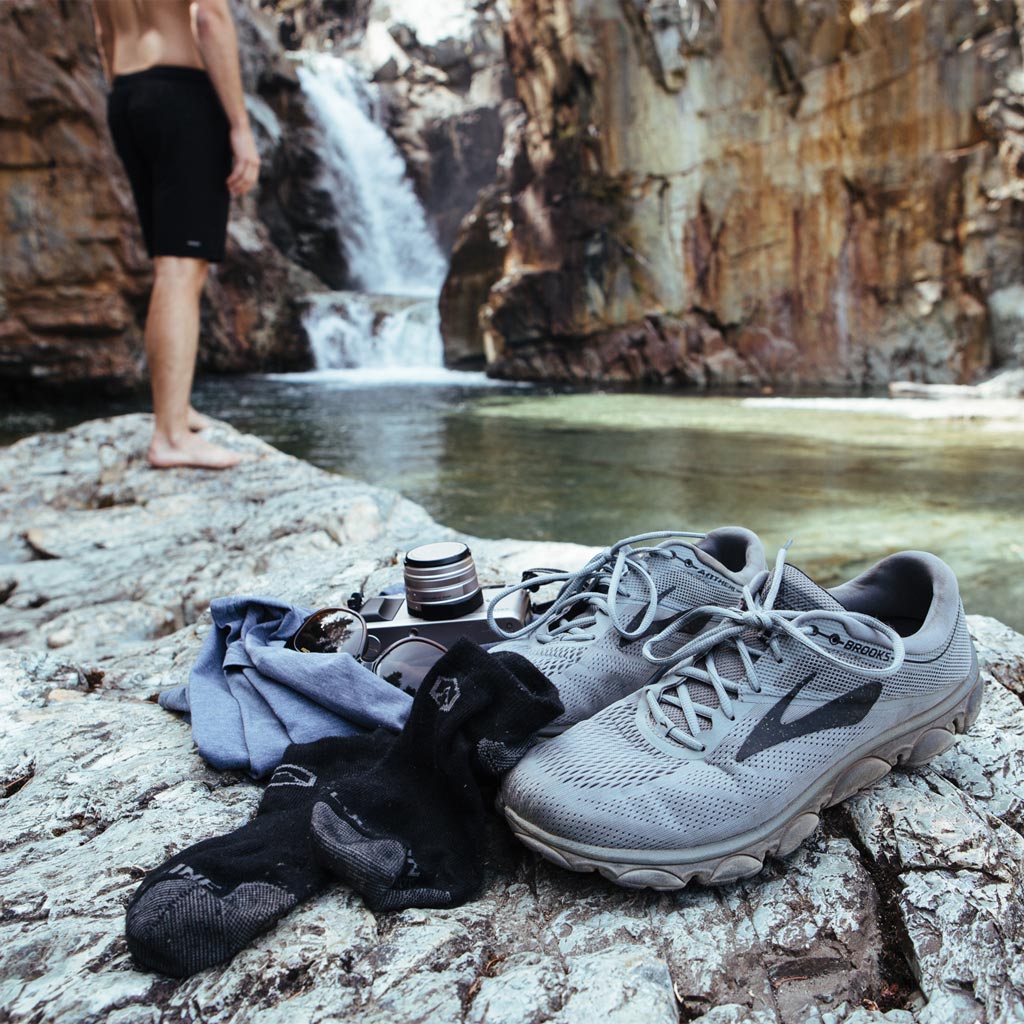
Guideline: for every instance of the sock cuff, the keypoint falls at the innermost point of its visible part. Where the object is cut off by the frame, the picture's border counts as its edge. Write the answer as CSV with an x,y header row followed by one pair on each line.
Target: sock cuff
x,y
510,697
532,698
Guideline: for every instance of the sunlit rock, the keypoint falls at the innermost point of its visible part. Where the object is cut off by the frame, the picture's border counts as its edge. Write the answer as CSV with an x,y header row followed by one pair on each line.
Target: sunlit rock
x,y
838,178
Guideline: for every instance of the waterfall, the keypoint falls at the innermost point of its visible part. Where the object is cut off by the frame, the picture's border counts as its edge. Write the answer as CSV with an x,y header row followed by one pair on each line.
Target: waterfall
x,y
391,324
353,330
383,228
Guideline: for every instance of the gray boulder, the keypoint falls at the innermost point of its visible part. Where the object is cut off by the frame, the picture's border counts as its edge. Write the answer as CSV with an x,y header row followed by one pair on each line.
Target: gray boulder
x,y
904,906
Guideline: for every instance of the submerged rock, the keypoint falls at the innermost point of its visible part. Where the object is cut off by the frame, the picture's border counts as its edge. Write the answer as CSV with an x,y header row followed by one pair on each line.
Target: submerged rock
x,y
1008,384
904,906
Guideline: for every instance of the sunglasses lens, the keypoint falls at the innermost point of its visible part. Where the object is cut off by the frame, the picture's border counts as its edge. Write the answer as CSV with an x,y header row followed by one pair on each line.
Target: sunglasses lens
x,y
335,631
406,663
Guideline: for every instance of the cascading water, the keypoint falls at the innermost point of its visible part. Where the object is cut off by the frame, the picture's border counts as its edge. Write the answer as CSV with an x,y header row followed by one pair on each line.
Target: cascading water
x,y
383,227
392,322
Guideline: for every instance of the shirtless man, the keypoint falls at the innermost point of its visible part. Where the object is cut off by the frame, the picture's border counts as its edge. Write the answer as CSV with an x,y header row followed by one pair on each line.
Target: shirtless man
x,y
178,119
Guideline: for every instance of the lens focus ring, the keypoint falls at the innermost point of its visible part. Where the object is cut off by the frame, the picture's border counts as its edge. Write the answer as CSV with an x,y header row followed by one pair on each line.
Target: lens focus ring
x,y
441,581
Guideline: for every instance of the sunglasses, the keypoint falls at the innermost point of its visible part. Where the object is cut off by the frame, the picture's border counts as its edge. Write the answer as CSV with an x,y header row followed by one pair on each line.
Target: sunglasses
x,y
404,664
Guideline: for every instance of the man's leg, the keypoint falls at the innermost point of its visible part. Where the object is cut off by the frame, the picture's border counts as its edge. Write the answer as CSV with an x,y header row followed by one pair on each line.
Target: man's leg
x,y
172,340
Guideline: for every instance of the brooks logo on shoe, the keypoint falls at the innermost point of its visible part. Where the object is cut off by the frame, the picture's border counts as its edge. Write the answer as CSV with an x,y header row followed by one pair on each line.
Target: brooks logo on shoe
x,y
661,624
701,571
848,709
878,653
658,623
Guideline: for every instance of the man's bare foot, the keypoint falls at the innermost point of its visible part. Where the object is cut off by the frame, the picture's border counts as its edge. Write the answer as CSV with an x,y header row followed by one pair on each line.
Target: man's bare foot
x,y
193,451
197,421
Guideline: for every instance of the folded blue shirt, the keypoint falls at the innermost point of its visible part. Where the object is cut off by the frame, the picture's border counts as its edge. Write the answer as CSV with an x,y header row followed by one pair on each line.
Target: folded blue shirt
x,y
249,697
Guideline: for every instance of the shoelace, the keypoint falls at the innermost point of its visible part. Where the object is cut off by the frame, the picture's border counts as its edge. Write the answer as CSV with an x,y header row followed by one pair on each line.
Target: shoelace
x,y
731,624
575,608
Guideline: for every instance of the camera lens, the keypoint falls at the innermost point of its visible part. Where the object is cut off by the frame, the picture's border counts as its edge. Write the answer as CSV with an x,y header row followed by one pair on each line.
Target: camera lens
x,y
440,581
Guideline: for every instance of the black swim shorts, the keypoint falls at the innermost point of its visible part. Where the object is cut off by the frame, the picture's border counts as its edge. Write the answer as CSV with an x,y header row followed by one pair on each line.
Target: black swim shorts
x,y
173,137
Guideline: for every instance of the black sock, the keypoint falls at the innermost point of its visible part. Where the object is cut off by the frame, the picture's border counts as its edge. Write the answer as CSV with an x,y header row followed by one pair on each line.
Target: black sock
x,y
213,899
384,804
405,826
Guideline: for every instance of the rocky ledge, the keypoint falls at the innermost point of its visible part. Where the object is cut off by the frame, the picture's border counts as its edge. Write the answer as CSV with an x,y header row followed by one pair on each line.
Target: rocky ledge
x,y
905,906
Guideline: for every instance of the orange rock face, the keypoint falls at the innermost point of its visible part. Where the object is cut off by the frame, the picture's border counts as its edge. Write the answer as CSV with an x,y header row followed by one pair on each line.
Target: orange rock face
x,y
763,192
72,270
74,276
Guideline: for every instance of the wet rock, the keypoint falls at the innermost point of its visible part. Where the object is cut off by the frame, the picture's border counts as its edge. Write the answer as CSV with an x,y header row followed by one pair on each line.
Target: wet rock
x,y
903,907
1006,311
478,262
449,99
316,24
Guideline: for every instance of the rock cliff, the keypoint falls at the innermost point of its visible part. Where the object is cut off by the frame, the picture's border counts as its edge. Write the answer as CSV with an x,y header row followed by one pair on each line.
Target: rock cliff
x,y
903,908
779,191
74,278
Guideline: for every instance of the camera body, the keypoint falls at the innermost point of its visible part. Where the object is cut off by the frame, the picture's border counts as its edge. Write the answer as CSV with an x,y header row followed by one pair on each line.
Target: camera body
x,y
388,618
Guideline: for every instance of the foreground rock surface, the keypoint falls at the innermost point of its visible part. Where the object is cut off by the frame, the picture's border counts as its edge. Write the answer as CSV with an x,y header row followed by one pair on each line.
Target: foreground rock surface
x,y
905,906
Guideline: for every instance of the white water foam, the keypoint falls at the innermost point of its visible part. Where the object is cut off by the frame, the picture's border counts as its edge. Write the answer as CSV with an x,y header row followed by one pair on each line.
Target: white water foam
x,y
349,330
392,376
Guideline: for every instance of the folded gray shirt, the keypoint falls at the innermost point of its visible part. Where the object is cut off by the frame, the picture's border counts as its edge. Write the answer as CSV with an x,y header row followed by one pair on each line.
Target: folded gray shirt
x,y
249,697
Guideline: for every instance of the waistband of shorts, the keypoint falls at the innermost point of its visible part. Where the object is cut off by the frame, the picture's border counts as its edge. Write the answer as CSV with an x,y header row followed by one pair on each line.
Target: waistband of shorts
x,y
164,73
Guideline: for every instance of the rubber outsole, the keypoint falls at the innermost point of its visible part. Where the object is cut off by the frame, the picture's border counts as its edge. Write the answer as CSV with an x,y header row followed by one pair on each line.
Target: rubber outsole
x,y
916,746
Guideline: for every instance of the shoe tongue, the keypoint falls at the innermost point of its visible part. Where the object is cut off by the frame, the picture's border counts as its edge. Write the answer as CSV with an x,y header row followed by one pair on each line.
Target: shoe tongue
x,y
799,593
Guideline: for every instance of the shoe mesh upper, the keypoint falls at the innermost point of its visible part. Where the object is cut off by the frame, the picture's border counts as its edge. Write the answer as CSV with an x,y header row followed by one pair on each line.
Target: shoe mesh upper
x,y
590,674
605,783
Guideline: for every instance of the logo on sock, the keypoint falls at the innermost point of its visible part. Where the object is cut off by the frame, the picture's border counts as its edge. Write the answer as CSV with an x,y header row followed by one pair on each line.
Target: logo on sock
x,y
191,875
445,692
292,775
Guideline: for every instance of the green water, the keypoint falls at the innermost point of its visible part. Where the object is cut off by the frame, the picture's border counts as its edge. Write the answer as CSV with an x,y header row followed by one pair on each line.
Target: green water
x,y
849,487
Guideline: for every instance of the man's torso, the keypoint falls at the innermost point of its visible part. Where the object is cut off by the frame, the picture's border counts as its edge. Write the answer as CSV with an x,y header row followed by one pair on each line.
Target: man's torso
x,y
147,33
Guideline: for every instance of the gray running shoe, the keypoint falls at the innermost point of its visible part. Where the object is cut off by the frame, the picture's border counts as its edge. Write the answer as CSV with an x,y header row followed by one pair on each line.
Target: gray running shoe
x,y
589,642
790,702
